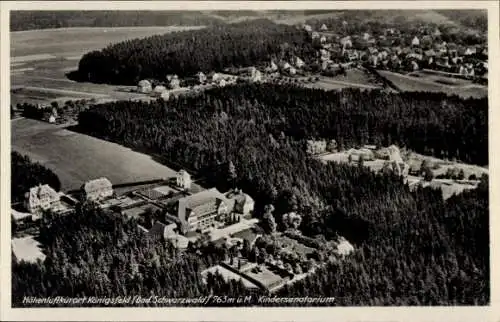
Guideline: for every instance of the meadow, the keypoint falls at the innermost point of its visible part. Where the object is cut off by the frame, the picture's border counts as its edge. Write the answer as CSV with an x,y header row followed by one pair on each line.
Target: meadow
x,y
40,59
434,83
76,157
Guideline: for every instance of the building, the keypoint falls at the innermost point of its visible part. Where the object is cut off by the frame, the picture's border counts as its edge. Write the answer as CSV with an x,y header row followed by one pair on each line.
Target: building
x,y
202,210
202,78
97,189
144,86
159,90
174,82
323,27
183,180
307,28
299,63
42,198
243,203
415,41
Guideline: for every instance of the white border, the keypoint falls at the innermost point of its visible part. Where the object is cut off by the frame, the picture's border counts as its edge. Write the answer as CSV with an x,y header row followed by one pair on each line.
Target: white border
x,y
490,313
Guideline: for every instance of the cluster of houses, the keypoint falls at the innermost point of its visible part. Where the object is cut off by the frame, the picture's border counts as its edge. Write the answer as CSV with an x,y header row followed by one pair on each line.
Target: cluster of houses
x,y
394,50
186,213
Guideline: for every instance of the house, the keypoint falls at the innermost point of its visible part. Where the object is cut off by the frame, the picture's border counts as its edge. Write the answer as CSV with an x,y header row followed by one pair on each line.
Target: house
x,y
243,203
202,210
202,78
42,198
256,76
470,51
158,90
174,82
352,54
97,189
144,86
366,36
323,27
415,42
322,39
183,180
299,63
52,119
316,147
414,65
222,83
372,50
168,232
292,71
307,28
315,35
430,53
436,33
346,42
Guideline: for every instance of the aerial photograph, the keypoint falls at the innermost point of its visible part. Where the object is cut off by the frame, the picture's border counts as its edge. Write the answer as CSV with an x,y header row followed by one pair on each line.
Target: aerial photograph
x,y
249,158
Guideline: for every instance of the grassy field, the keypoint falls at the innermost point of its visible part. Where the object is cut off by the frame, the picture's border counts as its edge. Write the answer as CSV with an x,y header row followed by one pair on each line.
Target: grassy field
x,y
27,248
355,78
435,83
76,157
41,58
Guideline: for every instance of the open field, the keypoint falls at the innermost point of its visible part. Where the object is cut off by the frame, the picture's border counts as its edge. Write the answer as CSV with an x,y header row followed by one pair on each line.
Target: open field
x,y
27,248
41,58
76,157
355,78
435,83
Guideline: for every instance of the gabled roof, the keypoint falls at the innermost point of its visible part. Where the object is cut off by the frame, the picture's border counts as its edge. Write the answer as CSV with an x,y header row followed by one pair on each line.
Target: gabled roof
x,y
42,191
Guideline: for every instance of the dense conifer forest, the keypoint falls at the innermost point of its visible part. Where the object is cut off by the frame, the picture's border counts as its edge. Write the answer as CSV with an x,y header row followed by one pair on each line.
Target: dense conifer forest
x,y
413,248
26,174
188,52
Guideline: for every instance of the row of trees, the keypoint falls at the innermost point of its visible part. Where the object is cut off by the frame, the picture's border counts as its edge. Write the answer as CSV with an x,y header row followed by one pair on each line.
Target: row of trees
x,y
27,20
188,52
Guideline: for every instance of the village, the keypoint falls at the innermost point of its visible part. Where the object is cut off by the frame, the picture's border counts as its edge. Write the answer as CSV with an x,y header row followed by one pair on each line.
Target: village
x,y
187,215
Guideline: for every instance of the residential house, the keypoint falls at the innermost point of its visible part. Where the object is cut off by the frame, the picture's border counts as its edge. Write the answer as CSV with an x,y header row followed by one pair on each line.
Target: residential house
x,y
346,42
470,51
352,54
42,198
202,78
366,36
97,189
323,27
168,232
243,203
183,180
414,65
307,28
144,86
174,82
415,42
292,71
315,35
202,210
299,63
322,39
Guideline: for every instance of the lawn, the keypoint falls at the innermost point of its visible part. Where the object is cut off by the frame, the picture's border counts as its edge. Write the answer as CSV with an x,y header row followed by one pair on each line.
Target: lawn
x,y
295,246
76,157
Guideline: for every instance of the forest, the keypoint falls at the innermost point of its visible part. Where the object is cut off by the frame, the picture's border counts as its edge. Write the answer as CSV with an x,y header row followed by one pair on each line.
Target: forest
x,y
413,248
28,20
187,52
26,174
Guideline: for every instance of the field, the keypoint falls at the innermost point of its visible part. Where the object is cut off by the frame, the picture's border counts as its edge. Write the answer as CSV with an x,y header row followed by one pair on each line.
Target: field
x,y
76,157
27,248
355,78
435,83
295,246
40,60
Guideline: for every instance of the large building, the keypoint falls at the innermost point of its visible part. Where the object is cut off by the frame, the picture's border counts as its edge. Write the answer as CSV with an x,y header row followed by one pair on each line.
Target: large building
x,y
183,180
97,189
42,198
202,210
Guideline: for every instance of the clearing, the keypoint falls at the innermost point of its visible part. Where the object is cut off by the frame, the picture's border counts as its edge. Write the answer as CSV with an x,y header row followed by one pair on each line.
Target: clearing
x,y
27,249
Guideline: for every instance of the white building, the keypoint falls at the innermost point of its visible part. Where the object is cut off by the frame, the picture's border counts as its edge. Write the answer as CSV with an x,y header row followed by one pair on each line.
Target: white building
x,y
183,180
323,27
144,86
415,41
159,90
299,62
174,82
42,198
97,189
202,78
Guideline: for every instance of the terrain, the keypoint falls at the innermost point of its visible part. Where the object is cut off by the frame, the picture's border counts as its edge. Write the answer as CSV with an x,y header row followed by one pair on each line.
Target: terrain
x,y
40,60
76,158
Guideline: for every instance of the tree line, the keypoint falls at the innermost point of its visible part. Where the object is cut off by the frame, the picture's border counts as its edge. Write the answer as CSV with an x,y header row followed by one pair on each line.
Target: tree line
x,y
188,52
28,20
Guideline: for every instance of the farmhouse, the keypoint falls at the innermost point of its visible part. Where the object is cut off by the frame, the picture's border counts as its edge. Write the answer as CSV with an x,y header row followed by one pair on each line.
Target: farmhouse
x,y
202,210
42,198
97,189
183,179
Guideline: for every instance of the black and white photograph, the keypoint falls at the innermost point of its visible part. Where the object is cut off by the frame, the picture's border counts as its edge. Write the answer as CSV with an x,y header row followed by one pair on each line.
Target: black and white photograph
x,y
249,158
